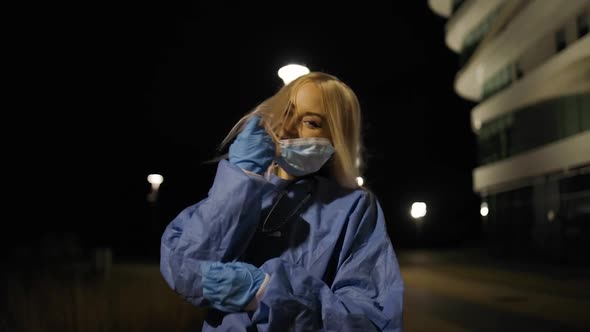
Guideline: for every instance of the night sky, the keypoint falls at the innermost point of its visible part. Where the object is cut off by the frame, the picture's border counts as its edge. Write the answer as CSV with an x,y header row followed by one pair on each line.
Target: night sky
x,y
128,90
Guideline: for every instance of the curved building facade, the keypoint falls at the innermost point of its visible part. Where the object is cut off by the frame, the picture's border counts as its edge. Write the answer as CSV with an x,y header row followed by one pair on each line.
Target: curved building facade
x,y
526,66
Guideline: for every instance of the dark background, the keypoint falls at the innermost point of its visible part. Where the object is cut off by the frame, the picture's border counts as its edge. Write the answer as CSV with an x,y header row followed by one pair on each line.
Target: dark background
x,y
118,91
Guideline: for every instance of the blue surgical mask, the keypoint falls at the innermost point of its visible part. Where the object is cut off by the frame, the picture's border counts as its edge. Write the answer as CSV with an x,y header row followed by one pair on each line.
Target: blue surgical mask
x,y
306,155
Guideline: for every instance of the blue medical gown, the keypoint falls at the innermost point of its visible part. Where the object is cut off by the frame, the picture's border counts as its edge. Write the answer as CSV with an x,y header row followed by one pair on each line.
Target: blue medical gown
x,y
338,272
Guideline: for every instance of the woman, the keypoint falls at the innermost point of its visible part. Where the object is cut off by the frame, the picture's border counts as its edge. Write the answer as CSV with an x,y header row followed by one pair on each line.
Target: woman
x,y
286,239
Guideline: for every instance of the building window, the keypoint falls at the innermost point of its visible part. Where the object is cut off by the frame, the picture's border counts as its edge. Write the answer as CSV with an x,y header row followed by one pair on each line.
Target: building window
x,y
582,24
560,42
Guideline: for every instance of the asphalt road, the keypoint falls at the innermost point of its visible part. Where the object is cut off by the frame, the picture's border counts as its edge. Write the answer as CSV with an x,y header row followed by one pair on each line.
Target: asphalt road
x,y
470,291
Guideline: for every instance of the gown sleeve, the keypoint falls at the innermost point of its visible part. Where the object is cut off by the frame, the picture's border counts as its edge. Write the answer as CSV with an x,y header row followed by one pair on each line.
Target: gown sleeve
x,y
216,229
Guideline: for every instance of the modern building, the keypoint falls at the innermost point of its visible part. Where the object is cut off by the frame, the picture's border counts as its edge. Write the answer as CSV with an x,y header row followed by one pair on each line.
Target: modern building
x,y
525,64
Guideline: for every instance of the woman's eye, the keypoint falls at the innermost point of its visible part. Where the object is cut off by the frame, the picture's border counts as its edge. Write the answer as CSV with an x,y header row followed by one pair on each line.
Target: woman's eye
x,y
312,123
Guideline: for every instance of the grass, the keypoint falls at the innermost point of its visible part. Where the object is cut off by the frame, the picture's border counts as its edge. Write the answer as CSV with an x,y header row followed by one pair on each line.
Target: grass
x,y
134,297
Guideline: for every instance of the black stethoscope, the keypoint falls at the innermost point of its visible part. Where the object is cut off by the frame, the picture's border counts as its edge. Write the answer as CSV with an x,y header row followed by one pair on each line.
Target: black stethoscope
x,y
271,227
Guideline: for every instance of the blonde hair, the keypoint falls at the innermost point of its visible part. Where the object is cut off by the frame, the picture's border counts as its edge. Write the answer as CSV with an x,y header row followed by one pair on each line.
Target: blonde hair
x,y
343,117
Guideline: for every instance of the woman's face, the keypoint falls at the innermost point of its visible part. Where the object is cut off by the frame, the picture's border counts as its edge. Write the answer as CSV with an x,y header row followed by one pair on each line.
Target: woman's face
x,y
306,117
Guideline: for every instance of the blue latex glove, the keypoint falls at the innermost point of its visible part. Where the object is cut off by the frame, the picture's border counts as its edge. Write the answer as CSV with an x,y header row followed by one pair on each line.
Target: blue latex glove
x,y
230,286
253,149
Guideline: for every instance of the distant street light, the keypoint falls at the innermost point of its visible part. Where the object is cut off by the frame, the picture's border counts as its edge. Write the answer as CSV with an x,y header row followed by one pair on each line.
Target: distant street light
x,y
360,181
551,215
290,72
484,210
418,210
155,180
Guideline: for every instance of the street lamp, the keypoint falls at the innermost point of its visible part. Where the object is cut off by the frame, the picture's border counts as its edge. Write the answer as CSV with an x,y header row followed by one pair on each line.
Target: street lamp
x,y
155,180
360,181
292,71
484,209
418,210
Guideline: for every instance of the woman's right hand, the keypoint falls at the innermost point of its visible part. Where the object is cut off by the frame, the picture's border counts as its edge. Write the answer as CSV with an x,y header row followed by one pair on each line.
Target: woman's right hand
x,y
253,149
233,286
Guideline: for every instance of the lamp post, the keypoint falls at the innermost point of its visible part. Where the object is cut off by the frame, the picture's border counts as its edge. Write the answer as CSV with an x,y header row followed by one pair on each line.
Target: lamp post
x,y
155,180
418,212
